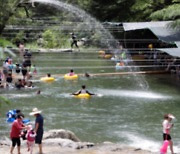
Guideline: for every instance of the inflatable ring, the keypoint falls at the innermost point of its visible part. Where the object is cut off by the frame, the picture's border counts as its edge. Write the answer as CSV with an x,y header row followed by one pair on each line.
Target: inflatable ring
x,y
101,52
11,120
11,116
108,56
83,96
120,65
68,77
47,79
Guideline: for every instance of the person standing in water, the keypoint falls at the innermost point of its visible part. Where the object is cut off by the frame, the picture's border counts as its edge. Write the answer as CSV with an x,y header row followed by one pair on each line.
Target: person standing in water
x,y
167,125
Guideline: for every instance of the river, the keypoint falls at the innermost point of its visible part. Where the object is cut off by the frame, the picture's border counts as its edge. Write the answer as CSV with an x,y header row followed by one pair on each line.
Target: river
x,y
122,113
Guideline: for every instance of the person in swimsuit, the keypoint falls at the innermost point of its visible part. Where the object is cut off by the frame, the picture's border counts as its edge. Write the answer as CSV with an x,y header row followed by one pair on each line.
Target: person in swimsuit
x,y
167,125
83,91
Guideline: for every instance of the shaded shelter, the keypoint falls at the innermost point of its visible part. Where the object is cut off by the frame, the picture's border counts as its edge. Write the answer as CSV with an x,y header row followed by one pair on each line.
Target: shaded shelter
x,y
163,32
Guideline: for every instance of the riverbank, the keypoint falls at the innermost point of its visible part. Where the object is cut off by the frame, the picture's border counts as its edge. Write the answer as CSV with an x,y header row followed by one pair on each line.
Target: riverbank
x,y
66,142
98,149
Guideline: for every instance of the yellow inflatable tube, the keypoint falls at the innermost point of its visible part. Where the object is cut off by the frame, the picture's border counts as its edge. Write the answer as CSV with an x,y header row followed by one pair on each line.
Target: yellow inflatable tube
x,y
68,77
83,96
47,79
108,56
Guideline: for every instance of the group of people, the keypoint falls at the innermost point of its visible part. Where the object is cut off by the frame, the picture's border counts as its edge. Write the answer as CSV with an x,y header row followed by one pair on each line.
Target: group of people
x,y
171,63
27,132
35,135
10,70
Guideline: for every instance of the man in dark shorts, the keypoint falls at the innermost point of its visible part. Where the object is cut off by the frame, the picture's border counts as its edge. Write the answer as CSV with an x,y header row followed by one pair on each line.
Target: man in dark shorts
x,y
74,41
39,122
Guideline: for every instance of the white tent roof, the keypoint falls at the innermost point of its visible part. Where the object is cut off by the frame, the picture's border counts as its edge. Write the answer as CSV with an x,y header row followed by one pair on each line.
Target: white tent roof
x,y
175,52
161,29
178,44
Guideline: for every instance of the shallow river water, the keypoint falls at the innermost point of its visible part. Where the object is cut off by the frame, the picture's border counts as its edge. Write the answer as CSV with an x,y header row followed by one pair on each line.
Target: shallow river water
x,y
123,112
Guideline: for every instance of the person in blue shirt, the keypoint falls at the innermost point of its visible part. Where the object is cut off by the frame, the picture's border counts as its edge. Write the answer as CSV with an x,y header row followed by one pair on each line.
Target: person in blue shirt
x,y
39,130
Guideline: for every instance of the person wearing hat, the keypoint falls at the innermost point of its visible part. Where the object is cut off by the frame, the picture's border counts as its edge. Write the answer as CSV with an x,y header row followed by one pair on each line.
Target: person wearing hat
x,y
167,125
15,133
39,122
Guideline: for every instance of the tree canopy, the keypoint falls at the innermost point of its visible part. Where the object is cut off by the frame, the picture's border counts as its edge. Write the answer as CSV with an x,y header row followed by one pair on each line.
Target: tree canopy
x,y
8,8
103,10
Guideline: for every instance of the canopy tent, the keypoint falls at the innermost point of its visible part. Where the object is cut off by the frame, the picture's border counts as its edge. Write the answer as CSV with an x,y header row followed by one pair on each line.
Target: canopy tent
x,y
178,44
161,29
175,52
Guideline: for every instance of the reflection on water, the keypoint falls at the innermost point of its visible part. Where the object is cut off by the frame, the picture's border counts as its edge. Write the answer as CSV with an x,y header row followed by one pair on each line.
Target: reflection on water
x,y
119,107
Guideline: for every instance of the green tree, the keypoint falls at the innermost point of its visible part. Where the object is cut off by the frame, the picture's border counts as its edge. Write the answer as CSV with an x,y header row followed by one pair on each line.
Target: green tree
x,y
8,8
106,10
171,12
146,10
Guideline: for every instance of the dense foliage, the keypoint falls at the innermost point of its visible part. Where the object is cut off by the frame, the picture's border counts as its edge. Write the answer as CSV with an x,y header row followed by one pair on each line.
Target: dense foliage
x,y
104,10
8,8
132,10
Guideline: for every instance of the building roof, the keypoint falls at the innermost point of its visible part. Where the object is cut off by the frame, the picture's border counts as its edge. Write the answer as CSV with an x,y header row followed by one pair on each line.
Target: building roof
x,y
161,29
175,52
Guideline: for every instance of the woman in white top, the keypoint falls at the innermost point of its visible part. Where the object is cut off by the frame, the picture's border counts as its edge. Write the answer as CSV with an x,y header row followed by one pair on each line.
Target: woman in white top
x,y
167,125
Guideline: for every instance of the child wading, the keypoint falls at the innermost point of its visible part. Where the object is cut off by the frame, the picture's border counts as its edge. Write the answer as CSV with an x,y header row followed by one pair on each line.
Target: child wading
x,y
30,138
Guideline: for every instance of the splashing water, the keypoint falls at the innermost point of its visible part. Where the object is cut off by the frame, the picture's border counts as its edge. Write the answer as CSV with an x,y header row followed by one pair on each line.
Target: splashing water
x,y
133,94
93,25
141,141
90,23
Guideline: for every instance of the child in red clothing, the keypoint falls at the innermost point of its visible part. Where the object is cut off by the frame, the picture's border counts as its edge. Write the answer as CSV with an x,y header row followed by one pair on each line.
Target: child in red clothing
x,y
30,138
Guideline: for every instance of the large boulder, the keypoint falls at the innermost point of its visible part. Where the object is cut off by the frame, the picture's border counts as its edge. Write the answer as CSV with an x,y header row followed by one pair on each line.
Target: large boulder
x,y
61,133
64,138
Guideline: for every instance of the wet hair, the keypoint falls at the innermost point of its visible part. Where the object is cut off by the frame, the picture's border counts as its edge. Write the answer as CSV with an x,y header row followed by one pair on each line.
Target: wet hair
x,y
38,92
49,75
20,116
166,116
83,86
18,111
87,75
